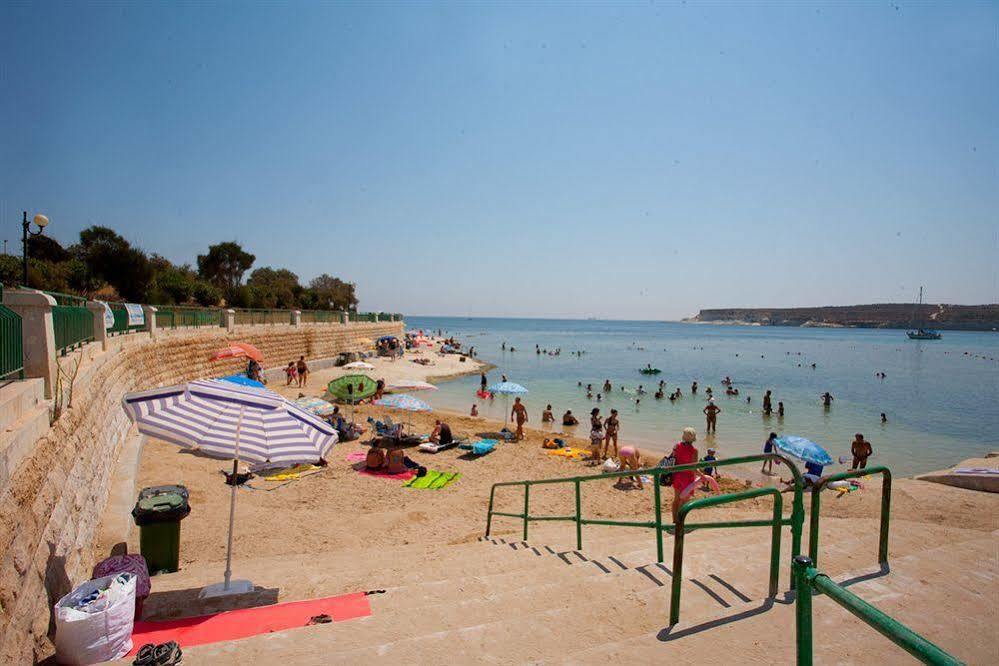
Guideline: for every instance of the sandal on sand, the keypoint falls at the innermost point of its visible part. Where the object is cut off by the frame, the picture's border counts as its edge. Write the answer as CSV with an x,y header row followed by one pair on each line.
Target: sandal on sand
x,y
320,619
145,655
167,654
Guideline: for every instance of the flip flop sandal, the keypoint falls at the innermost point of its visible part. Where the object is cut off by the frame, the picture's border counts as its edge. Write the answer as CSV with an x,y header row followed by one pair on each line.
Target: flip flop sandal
x,y
145,655
320,619
168,654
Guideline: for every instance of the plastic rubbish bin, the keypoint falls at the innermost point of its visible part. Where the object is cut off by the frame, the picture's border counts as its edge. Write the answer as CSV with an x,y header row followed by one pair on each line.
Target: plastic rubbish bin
x,y
158,512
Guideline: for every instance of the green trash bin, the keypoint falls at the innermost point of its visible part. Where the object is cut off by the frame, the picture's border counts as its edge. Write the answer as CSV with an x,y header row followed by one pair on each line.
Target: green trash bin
x,y
158,512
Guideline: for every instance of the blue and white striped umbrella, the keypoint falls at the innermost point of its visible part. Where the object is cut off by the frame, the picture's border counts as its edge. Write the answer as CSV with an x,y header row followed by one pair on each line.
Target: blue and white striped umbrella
x,y
507,388
804,449
228,421
404,401
225,420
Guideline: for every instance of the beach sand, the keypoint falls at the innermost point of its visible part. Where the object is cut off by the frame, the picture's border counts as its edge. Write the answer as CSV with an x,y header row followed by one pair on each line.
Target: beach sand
x,y
338,509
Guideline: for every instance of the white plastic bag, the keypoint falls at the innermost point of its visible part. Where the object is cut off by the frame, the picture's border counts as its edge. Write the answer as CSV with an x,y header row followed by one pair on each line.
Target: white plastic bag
x,y
103,634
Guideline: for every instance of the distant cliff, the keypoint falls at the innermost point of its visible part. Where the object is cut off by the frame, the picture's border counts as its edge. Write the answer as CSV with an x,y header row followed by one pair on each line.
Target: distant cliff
x,y
878,315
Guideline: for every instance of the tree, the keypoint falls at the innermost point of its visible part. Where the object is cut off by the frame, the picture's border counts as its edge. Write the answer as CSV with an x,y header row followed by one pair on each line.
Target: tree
x,y
333,293
46,248
275,288
112,259
224,265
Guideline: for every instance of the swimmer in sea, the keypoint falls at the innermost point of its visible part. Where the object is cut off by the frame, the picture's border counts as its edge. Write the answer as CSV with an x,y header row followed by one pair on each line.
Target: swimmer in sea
x,y
659,394
693,388
780,410
827,399
547,416
607,386
884,418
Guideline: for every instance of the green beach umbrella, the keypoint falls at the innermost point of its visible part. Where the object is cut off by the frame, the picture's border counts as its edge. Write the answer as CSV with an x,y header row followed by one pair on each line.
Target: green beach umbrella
x,y
352,389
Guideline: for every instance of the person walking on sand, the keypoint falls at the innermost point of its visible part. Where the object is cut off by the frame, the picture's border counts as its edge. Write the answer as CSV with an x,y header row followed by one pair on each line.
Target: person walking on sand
x,y
711,412
596,433
291,373
769,446
861,450
684,483
303,371
612,425
519,414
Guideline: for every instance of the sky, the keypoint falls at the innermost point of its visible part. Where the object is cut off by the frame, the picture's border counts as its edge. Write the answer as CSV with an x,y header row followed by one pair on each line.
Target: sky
x,y
615,160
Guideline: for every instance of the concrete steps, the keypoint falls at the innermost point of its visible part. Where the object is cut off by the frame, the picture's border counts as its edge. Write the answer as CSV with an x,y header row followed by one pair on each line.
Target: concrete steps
x,y
17,399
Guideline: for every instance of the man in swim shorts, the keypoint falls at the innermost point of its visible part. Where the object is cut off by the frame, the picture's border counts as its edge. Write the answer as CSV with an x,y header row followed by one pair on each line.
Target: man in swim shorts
x,y
684,483
861,450
568,419
519,414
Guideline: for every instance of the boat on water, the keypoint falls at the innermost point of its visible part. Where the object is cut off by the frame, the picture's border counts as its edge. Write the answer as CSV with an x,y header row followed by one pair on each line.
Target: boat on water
x,y
922,333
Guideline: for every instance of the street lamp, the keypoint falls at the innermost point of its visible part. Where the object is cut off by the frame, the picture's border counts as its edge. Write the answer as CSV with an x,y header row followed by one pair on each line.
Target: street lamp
x,y
42,222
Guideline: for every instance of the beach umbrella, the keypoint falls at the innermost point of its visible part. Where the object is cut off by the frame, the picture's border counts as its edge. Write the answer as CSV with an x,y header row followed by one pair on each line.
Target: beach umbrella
x,y
410,385
317,406
359,365
507,389
352,389
226,421
239,350
803,449
405,402
242,380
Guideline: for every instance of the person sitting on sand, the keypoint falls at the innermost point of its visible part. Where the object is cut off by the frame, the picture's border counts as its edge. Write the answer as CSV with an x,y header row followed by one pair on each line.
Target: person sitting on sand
x,y
685,482
547,416
519,414
631,458
568,419
861,450
475,410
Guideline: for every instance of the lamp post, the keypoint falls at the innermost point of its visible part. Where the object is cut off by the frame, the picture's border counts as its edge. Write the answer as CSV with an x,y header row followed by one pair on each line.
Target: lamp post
x,y
26,231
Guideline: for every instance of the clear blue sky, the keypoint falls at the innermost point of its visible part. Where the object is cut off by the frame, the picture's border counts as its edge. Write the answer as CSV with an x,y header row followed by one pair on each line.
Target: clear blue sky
x,y
621,160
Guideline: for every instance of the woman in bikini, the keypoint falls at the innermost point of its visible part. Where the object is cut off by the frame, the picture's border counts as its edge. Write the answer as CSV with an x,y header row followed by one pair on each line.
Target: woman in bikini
x,y
596,433
631,458
612,426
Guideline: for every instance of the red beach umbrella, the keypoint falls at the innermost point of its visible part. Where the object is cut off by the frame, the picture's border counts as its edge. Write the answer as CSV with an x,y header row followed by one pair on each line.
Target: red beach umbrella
x,y
239,350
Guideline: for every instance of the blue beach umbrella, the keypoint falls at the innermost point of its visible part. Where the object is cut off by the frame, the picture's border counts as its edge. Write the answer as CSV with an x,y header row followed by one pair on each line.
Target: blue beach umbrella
x,y
803,449
506,389
404,401
242,380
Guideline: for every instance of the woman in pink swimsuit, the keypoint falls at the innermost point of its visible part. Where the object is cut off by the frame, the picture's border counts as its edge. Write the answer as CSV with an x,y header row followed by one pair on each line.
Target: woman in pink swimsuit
x,y
684,483
631,458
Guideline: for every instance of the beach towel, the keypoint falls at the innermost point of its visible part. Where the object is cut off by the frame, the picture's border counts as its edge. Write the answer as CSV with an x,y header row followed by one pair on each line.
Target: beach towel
x,y
569,453
357,456
433,480
246,622
289,473
430,447
401,476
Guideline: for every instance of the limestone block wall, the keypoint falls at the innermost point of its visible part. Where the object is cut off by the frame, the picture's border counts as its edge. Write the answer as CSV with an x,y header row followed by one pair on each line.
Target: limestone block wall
x,y
51,507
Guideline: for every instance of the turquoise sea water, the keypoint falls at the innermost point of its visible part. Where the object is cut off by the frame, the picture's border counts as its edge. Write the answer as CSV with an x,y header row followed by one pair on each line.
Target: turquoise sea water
x,y
941,397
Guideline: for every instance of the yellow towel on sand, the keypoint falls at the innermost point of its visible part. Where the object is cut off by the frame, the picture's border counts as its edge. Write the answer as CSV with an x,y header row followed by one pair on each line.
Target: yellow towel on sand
x,y
291,473
570,453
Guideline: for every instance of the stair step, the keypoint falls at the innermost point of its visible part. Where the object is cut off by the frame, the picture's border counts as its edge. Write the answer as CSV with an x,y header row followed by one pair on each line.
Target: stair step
x,y
19,439
17,399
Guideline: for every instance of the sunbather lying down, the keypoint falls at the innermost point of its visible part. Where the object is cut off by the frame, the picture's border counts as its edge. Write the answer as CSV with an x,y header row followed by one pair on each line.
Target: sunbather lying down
x,y
390,461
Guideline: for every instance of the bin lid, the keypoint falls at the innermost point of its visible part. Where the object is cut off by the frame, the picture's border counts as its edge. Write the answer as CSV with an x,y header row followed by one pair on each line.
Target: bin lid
x,y
152,491
164,507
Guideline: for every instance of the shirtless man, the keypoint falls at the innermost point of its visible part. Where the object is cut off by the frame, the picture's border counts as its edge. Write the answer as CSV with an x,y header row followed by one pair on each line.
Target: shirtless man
x,y
711,411
767,404
861,450
547,416
827,399
519,414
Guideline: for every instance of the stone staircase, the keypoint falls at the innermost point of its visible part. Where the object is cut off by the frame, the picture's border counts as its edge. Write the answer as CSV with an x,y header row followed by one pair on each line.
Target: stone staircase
x,y
506,600
24,417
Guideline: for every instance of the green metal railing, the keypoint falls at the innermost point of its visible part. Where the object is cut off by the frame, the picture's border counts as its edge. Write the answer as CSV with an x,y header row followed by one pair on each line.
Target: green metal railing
x,y
11,352
178,316
813,526
775,528
246,316
795,521
121,324
809,580
72,322
321,317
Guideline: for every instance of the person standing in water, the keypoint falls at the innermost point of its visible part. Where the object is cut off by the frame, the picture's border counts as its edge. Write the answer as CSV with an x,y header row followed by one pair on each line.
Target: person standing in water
x,y
861,450
483,382
767,404
711,412
547,416
519,413
827,399
693,388
612,425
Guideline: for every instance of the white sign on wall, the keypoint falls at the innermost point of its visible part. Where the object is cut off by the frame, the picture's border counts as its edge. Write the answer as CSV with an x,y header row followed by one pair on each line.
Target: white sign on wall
x,y
135,315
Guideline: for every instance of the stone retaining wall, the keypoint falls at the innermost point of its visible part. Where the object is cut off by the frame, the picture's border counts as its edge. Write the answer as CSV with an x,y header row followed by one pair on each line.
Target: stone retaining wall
x,y
51,508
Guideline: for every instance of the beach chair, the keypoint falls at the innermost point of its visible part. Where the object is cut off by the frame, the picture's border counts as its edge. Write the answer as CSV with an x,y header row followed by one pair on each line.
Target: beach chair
x,y
431,447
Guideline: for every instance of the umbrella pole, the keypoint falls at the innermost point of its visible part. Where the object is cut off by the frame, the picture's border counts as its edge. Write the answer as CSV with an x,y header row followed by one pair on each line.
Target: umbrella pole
x,y
232,500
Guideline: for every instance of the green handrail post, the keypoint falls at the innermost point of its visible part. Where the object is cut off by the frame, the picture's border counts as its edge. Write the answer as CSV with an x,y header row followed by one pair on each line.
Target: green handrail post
x,y
527,495
489,515
802,609
718,500
657,498
813,522
579,517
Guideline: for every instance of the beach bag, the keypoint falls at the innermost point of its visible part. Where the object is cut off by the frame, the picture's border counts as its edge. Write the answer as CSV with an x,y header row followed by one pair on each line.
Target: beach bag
x,y
99,631
611,465
667,461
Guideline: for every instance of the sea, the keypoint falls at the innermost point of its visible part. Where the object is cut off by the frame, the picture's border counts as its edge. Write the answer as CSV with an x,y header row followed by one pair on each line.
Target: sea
x,y
941,398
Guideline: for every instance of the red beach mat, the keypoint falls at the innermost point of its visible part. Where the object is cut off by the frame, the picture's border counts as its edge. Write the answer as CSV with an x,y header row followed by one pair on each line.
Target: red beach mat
x,y
246,622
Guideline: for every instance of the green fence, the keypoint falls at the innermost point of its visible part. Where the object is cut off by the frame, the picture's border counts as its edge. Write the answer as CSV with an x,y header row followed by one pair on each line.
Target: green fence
x,y
246,316
809,580
823,483
795,521
179,316
11,353
121,324
72,322
321,317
